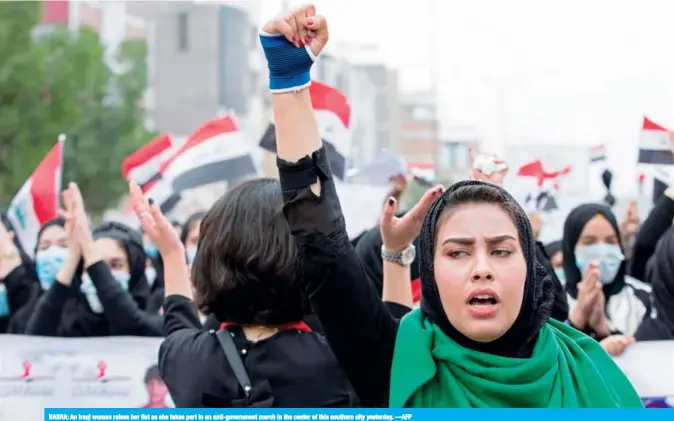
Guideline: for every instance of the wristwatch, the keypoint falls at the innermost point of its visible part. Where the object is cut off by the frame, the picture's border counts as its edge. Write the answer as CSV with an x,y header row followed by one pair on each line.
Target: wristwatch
x,y
404,257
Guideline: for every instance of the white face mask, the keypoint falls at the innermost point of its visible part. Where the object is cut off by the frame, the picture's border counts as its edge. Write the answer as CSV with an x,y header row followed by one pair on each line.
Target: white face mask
x,y
89,289
150,275
608,256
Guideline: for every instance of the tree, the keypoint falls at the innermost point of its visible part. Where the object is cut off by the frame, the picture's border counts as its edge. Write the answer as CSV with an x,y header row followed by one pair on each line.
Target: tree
x,y
67,87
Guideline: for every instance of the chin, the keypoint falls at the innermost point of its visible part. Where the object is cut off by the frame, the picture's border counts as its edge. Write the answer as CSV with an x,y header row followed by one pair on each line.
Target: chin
x,y
483,331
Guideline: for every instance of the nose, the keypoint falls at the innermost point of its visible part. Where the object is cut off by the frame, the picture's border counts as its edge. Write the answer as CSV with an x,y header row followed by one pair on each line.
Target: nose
x,y
482,270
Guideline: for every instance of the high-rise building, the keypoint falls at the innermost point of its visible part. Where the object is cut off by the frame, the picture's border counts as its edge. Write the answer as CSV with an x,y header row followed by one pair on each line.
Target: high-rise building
x,y
207,61
361,92
419,134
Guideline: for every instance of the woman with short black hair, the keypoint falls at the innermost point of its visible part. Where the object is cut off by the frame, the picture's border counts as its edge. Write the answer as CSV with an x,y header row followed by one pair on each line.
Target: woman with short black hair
x,y
244,277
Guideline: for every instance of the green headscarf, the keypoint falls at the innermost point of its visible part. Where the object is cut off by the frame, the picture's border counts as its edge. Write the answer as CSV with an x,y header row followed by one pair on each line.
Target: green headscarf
x,y
567,369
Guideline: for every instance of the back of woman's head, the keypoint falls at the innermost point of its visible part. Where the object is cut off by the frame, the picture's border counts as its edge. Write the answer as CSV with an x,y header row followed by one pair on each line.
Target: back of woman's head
x,y
244,270
481,283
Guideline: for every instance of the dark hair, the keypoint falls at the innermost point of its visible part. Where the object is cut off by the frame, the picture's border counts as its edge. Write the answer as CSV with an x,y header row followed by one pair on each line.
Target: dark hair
x,y
187,226
152,373
244,271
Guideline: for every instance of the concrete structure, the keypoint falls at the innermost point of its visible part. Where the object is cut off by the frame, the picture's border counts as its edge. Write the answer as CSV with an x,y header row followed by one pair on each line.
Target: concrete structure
x,y
419,135
208,62
453,160
340,73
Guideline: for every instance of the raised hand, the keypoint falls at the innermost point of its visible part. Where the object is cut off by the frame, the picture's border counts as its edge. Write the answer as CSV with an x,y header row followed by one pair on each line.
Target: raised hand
x,y
588,291
291,43
156,225
487,168
398,233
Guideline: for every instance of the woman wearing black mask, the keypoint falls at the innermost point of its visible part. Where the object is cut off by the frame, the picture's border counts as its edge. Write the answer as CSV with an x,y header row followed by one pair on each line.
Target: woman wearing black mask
x,y
482,337
603,299
109,298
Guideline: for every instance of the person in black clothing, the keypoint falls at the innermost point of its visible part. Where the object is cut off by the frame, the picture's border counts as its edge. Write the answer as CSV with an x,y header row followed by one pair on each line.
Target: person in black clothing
x,y
244,276
18,281
109,297
603,299
660,326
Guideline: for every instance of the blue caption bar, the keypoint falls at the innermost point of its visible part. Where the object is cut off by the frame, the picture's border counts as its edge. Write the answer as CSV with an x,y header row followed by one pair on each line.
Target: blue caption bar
x,y
97,414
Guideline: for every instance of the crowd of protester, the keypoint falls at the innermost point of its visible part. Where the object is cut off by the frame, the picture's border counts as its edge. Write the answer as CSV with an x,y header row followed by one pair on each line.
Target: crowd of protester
x,y
265,301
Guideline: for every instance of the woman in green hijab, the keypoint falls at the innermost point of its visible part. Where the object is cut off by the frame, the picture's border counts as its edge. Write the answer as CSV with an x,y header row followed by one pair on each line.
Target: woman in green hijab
x,y
483,336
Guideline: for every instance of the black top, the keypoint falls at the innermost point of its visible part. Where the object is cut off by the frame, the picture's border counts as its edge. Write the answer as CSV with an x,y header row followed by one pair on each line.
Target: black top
x,y
20,283
122,314
294,368
657,222
363,337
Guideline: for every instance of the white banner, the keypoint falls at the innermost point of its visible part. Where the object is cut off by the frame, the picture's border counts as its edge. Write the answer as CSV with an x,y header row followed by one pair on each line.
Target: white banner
x,y
114,372
121,372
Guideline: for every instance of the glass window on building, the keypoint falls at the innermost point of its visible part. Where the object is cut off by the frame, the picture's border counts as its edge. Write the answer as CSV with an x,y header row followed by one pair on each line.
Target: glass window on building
x,y
183,42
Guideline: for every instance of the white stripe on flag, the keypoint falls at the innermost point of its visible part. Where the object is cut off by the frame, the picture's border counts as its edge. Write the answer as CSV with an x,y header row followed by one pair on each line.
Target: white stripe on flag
x,y
655,140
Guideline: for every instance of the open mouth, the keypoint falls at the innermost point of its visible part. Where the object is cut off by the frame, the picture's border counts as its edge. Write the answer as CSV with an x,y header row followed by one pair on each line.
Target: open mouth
x,y
483,300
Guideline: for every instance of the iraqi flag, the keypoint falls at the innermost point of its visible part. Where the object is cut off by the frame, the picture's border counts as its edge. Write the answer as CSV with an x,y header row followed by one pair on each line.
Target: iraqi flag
x,y
38,200
655,144
143,167
216,152
333,115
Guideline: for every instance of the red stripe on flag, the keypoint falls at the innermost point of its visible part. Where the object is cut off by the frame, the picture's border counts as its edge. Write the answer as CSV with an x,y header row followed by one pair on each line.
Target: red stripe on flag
x,y
416,290
212,128
44,188
650,125
146,153
328,98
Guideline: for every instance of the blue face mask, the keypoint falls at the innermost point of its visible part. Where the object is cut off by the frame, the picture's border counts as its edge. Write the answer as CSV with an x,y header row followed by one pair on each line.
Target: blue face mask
x,y
561,275
191,254
608,256
4,301
150,250
48,263
89,289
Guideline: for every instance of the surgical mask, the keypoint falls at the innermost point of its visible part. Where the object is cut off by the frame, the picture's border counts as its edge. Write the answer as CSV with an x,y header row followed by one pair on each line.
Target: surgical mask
x,y
561,275
150,275
48,264
4,301
608,256
150,250
89,289
191,254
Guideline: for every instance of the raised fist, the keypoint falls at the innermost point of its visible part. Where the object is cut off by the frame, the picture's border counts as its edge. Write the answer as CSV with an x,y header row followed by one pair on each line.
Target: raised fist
x,y
301,27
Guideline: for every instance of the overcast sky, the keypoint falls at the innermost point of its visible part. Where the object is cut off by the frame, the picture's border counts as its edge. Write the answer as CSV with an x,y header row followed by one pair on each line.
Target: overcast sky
x,y
526,71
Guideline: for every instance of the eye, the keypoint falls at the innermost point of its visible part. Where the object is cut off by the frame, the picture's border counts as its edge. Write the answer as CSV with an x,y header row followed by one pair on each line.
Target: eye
x,y
457,254
501,252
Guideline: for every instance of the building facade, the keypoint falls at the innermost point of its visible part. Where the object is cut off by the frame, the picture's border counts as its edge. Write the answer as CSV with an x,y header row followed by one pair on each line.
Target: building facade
x,y
419,134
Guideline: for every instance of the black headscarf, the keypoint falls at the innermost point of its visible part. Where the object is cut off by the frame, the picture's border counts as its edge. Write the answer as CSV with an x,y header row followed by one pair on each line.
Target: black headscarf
x,y
538,299
78,320
573,227
660,269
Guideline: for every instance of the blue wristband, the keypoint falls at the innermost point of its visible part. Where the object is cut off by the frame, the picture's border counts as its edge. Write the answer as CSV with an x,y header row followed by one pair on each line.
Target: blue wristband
x,y
289,66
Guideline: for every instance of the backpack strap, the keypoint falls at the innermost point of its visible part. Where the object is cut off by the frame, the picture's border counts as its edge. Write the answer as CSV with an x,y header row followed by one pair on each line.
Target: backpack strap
x,y
229,348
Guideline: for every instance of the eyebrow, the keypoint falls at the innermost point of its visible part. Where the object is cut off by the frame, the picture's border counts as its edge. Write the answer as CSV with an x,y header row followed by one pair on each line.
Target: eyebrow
x,y
470,241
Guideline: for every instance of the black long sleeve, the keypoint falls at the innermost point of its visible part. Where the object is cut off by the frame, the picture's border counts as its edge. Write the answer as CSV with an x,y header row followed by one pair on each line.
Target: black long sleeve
x,y
19,283
121,311
46,318
658,221
362,337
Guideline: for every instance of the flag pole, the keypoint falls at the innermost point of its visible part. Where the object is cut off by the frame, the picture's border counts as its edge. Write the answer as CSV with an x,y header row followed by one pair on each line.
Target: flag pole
x,y
61,141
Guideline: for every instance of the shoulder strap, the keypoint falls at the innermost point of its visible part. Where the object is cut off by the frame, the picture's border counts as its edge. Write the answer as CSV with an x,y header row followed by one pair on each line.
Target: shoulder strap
x,y
232,354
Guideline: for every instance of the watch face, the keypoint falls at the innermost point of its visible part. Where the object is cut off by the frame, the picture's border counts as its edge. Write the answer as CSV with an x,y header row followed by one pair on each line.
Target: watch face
x,y
408,256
